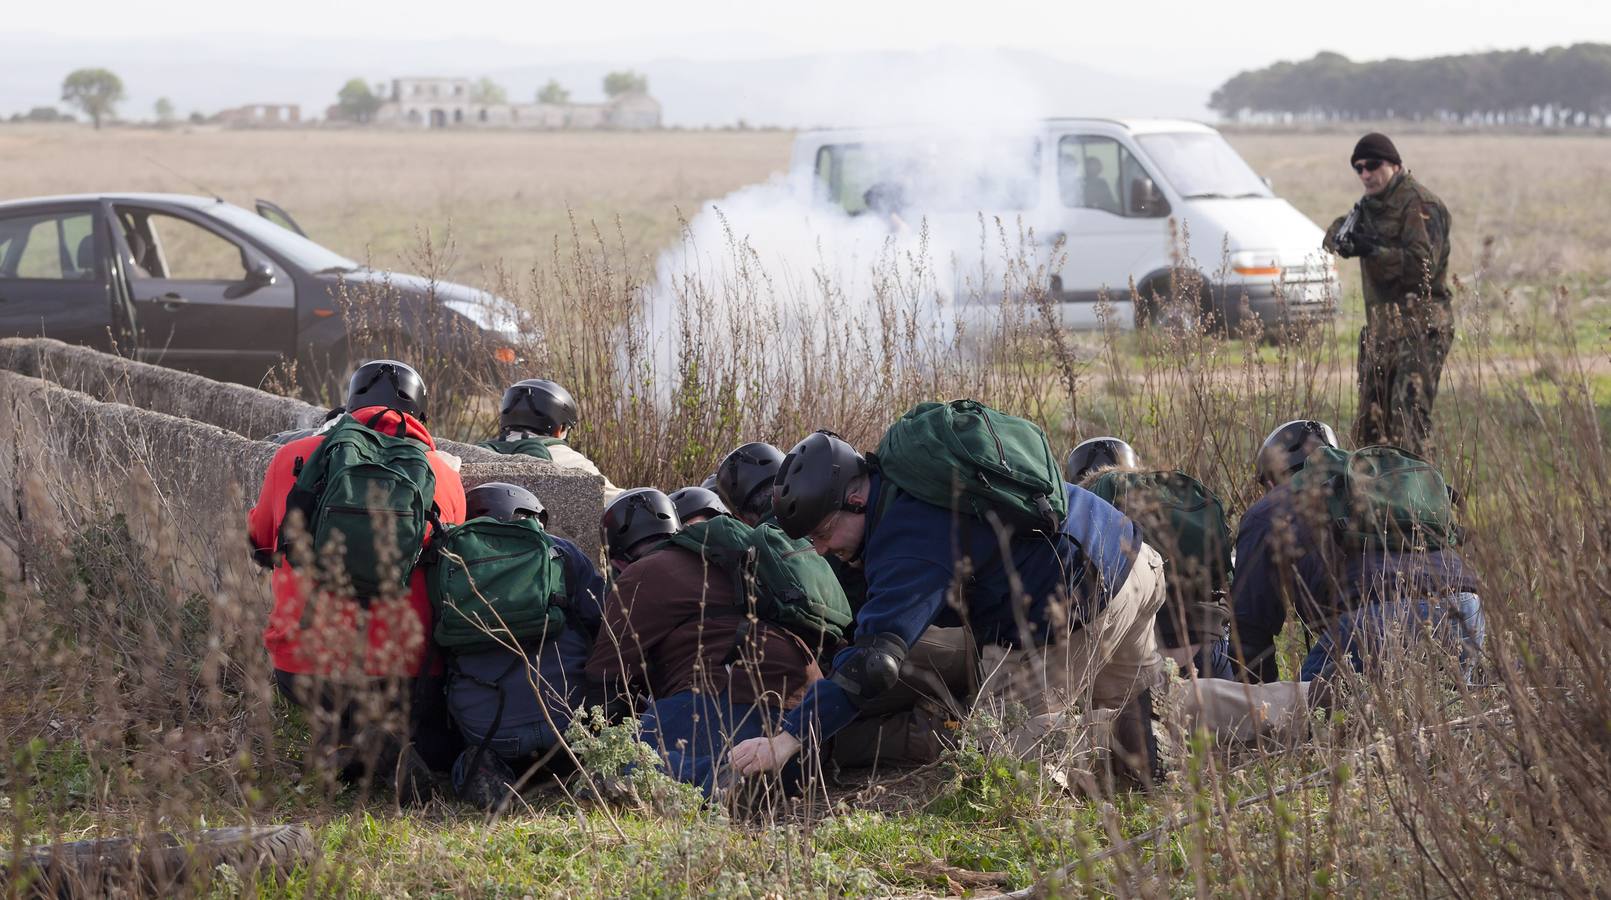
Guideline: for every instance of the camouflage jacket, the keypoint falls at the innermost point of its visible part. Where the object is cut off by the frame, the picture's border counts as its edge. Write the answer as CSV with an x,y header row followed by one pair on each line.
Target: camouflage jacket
x,y
1409,269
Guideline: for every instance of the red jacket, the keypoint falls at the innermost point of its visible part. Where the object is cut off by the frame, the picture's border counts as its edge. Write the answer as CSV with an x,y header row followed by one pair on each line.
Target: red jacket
x,y
397,638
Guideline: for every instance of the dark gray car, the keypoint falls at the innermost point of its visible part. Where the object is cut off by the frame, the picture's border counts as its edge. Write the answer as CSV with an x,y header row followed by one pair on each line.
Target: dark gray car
x,y
202,285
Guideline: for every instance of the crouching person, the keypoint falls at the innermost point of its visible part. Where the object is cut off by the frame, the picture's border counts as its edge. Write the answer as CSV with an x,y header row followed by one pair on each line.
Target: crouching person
x,y
1361,546
517,609
342,519
535,419
1185,523
907,724
1056,584
698,623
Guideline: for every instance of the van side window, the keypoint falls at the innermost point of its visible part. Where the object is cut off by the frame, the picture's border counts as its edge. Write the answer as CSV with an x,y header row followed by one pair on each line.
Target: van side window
x,y
1099,173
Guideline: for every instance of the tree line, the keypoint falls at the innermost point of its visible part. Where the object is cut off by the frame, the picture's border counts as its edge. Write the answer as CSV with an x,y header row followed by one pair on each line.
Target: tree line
x,y
1558,87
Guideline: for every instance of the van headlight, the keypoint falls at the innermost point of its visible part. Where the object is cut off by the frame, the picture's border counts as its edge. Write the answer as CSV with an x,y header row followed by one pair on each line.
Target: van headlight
x,y
1256,264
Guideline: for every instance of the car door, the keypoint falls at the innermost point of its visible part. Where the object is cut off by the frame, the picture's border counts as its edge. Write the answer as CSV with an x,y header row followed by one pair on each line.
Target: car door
x,y
1113,221
54,281
204,299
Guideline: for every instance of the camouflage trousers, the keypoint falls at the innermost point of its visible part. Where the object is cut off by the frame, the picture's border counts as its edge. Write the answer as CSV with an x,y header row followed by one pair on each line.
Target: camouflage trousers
x,y
1400,365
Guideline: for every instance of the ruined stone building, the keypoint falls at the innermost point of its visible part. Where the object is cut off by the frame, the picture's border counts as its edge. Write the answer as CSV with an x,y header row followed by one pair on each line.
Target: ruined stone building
x,y
449,103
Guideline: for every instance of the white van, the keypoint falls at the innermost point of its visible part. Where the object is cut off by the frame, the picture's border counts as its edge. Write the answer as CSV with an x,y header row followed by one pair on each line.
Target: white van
x,y
1119,192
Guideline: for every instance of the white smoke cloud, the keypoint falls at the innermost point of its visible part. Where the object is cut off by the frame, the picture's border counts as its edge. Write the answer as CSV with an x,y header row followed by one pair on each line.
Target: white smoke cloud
x,y
949,165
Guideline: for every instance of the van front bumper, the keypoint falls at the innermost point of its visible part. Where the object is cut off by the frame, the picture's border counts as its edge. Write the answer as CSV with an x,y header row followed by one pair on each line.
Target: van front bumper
x,y
1276,304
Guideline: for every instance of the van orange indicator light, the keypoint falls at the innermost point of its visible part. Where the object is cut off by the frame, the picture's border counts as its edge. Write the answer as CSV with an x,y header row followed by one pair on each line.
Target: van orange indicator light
x,y
324,313
1257,270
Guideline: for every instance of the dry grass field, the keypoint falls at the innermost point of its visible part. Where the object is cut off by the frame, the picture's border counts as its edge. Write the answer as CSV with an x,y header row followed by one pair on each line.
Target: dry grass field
x,y
1418,783
508,197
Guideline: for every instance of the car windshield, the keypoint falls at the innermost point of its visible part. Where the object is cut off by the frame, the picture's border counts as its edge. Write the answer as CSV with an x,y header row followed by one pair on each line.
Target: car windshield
x,y
940,175
300,251
1202,164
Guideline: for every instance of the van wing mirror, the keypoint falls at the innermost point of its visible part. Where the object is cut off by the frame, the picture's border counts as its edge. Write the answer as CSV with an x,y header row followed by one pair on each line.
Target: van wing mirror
x,y
1147,199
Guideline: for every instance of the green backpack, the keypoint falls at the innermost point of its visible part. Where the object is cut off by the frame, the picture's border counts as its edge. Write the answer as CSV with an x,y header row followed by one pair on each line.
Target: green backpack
x,y
965,456
494,583
374,490
790,585
535,447
1381,497
1183,520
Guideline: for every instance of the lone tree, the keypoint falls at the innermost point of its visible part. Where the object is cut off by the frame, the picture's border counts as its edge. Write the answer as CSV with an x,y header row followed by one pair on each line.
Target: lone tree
x,y
95,91
356,101
629,82
488,91
553,92
164,110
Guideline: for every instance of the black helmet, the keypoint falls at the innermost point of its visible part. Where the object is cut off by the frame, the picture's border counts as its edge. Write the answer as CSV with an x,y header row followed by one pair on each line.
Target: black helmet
x,y
812,482
388,383
709,483
636,515
538,406
1287,447
1098,453
698,501
502,500
746,470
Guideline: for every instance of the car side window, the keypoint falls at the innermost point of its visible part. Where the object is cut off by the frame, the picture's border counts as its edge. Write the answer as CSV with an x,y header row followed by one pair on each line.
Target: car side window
x,y
1099,173
49,246
167,246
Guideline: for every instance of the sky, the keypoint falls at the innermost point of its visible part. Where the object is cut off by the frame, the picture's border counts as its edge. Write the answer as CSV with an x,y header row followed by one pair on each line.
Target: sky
x,y
714,62
1191,37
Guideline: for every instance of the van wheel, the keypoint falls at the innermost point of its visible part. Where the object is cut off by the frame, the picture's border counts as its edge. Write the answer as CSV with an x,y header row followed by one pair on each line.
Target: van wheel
x,y
1157,308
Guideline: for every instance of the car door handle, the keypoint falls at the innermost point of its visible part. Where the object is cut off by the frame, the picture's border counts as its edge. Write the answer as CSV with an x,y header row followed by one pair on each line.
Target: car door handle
x,y
172,301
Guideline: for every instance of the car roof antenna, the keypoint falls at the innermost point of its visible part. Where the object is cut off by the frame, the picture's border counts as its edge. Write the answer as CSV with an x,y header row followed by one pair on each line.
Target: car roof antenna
x,y
186,179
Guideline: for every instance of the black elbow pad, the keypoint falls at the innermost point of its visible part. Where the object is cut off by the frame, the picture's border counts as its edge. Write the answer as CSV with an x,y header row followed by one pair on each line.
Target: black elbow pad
x,y
873,668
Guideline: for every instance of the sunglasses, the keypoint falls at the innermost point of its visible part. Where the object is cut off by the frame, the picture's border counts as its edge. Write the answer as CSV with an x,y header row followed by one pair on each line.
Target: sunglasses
x,y
1369,165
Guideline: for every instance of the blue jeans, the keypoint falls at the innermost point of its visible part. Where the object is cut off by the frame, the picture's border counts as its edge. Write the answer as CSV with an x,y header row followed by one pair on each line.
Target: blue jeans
x,y
514,744
694,730
1356,638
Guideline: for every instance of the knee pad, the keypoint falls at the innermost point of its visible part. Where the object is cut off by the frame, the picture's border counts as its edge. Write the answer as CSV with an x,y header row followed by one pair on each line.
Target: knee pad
x,y
873,668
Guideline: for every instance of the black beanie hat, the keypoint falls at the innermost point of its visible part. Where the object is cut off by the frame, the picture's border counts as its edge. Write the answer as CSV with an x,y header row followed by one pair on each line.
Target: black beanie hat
x,y
1375,146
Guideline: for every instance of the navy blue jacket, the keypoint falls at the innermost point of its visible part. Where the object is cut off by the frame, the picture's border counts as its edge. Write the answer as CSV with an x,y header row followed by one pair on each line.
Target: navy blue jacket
x,y
473,692
1286,560
910,556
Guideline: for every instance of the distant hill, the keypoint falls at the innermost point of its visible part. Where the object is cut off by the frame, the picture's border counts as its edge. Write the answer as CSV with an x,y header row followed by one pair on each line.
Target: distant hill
x,y
216,72
1557,87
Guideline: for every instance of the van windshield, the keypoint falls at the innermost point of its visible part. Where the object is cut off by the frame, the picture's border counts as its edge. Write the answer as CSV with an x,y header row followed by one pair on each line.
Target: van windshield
x,y
938,175
1202,165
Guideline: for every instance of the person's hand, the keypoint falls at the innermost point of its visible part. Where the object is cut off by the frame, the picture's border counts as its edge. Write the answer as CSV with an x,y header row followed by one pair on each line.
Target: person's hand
x,y
1344,247
455,463
1364,245
760,755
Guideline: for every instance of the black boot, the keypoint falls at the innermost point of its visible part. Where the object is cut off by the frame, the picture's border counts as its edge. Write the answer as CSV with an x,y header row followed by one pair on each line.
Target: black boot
x,y
1135,745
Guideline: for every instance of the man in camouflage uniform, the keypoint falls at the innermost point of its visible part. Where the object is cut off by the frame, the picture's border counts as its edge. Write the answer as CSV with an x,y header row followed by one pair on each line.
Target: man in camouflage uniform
x,y
1401,236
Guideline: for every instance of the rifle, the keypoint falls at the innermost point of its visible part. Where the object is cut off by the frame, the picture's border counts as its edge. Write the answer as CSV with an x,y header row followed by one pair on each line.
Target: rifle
x,y
1354,228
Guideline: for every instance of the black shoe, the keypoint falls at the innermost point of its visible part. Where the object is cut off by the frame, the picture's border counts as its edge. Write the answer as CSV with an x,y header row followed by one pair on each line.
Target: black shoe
x,y
414,782
1135,744
489,786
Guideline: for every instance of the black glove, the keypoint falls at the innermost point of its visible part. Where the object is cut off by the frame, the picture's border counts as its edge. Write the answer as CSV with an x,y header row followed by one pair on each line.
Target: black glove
x,y
1363,245
1345,247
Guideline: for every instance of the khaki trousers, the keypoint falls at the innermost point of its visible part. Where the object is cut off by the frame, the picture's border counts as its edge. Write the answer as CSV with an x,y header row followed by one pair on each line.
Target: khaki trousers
x,y
1236,712
1103,665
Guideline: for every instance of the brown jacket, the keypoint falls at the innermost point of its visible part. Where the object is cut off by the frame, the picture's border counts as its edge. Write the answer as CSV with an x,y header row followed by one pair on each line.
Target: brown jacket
x,y
671,623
